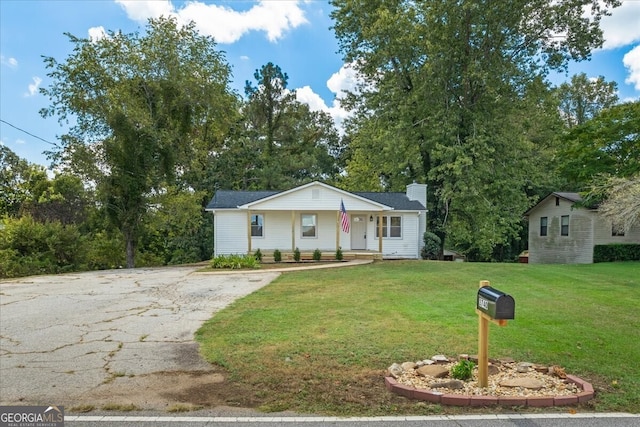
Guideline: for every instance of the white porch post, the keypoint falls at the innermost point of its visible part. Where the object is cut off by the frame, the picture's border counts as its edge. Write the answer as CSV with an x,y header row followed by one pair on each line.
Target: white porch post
x,y
249,231
380,233
338,222
293,231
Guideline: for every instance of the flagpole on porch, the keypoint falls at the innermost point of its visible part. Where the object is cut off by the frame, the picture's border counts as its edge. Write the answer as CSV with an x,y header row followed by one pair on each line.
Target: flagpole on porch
x,y
337,230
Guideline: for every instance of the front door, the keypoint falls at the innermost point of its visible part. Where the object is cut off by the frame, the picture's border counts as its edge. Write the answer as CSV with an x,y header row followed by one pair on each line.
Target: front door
x,y
358,232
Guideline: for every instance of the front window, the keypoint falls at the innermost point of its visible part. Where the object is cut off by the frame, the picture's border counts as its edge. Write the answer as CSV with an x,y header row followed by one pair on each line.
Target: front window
x,y
564,225
309,225
543,226
257,225
391,226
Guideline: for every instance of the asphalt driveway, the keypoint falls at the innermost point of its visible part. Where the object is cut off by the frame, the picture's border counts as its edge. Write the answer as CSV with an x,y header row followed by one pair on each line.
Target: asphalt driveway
x,y
63,336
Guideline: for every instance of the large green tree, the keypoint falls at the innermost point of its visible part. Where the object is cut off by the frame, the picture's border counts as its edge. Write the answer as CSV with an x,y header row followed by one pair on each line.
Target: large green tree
x,y
607,144
20,182
279,142
450,95
144,109
583,98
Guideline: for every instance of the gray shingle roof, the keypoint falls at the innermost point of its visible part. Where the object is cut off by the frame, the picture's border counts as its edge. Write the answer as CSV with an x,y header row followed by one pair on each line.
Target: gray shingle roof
x,y
398,201
228,199
572,197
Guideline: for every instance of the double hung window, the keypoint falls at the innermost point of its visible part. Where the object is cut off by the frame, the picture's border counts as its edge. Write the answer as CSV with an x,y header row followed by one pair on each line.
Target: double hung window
x,y
391,226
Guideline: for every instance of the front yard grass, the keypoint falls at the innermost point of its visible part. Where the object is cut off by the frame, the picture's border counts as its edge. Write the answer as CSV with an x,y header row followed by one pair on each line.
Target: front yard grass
x,y
320,341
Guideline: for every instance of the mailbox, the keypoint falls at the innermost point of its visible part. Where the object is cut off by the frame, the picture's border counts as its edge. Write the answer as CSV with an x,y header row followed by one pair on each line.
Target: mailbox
x,y
496,304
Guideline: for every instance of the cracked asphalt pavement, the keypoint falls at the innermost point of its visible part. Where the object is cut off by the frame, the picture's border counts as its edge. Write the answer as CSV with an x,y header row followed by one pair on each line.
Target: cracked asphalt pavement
x,y
62,336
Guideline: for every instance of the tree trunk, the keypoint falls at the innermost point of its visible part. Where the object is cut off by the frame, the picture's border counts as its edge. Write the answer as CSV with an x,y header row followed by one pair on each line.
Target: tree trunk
x,y
131,249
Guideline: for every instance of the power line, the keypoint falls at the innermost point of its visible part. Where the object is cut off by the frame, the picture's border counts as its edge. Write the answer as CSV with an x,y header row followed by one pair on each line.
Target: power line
x,y
29,133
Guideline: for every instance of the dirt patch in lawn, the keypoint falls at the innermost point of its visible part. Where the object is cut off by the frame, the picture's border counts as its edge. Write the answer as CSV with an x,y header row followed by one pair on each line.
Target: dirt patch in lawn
x,y
168,391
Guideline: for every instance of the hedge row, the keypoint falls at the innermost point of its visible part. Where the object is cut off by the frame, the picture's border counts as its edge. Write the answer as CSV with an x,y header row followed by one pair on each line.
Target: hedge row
x,y
616,252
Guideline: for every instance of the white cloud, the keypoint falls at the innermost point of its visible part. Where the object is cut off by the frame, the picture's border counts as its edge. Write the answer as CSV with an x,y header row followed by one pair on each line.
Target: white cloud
x,y
345,80
97,33
632,62
223,23
11,62
342,81
141,11
623,26
33,87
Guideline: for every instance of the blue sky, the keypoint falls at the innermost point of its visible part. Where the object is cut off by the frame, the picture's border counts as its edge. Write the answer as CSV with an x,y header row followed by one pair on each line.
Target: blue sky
x,y
295,35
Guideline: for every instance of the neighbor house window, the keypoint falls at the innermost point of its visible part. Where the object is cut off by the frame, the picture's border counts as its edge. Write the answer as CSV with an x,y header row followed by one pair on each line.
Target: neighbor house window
x,y
617,230
257,225
564,225
309,225
543,225
391,226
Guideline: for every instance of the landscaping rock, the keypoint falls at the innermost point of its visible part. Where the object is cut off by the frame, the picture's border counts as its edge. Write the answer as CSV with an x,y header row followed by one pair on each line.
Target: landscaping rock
x,y
530,383
439,358
453,385
408,365
559,372
493,370
436,371
524,367
395,370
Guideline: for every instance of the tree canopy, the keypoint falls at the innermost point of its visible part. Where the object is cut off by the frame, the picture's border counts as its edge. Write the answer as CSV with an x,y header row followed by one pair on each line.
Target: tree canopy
x,y
449,97
143,109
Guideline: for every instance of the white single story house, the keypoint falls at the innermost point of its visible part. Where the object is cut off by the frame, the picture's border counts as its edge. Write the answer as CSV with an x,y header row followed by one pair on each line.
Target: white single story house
x,y
560,233
309,217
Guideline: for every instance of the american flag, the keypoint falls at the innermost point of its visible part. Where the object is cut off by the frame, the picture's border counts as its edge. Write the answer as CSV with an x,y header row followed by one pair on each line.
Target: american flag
x,y
344,218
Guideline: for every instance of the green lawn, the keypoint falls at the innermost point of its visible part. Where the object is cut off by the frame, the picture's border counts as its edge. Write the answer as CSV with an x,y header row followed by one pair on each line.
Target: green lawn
x,y
319,341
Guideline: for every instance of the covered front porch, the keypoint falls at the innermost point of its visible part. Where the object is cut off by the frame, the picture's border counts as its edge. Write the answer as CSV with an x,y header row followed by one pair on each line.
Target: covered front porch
x,y
288,256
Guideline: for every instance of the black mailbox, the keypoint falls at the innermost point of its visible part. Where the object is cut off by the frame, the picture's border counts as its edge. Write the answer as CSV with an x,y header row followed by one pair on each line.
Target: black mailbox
x,y
495,303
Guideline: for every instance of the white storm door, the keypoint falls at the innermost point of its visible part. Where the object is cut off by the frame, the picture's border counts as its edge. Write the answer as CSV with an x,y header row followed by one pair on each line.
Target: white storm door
x,y
358,232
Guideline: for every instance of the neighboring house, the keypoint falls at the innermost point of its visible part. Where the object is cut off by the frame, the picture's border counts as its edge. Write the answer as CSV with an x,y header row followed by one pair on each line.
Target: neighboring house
x,y
560,233
309,217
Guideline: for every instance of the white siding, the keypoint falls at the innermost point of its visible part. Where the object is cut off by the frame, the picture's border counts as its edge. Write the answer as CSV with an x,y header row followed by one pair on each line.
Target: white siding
x,y
277,232
230,231
406,247
316,197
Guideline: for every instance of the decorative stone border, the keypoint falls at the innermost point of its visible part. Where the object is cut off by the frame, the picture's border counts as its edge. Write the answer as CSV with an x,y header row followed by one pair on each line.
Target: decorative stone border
x,y
410,392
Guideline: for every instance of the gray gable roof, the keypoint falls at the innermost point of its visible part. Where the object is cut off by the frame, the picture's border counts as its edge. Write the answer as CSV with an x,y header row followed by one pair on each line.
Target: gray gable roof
x,y
228,199
571,197
398,201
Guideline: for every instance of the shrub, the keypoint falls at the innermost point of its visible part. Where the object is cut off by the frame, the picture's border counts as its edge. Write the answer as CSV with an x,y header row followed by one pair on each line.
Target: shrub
x,y
235,262
277,255
31,247
616,252
296,255
104,250
317,255
431,247
258,255
339,255
463,370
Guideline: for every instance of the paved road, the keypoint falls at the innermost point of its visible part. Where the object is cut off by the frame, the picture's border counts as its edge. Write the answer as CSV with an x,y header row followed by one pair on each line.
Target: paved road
x,y
503,420
61,336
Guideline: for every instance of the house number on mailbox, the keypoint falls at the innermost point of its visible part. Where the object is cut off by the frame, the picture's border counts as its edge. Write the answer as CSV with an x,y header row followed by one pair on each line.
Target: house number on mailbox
x,y
483,303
